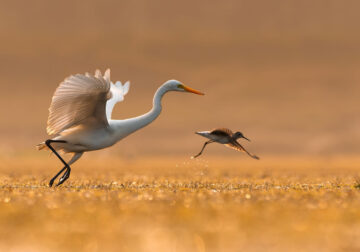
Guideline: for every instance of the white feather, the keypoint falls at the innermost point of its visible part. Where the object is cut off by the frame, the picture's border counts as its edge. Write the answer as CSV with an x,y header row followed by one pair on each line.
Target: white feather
x,y
204,133
118,91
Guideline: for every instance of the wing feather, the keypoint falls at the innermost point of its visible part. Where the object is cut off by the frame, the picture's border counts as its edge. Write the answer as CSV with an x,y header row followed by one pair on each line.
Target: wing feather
x,y
76,99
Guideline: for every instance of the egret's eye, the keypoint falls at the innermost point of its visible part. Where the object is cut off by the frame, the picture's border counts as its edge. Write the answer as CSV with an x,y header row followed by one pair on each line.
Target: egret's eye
x,y
180,86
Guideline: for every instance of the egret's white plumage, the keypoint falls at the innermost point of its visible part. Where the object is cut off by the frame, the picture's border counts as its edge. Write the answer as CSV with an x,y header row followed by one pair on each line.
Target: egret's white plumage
x,y
80,115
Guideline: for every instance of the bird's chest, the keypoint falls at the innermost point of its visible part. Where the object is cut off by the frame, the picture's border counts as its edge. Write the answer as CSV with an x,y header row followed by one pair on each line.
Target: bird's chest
x,y
99,140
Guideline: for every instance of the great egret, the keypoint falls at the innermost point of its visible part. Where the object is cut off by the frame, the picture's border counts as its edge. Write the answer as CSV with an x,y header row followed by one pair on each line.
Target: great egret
x,y
80,116
224,136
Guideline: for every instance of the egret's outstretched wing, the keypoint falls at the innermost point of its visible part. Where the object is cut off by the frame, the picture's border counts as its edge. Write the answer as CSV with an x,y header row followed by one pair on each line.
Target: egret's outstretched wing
x,y
78,98
118,91
236,146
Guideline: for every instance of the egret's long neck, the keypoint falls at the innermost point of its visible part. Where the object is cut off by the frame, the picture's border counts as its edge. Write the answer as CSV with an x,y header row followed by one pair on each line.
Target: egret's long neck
x,y
128,126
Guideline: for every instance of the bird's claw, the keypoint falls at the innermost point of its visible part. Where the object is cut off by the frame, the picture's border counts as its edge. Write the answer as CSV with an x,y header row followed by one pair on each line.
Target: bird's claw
x,y
63,178
51,183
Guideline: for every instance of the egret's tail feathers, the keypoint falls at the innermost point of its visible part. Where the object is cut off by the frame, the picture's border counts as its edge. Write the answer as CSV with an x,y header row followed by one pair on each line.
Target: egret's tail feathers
x,y
41,146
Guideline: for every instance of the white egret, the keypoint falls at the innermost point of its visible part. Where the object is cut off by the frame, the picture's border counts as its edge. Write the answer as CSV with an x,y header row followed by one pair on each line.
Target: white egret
x,y
80,116
224,136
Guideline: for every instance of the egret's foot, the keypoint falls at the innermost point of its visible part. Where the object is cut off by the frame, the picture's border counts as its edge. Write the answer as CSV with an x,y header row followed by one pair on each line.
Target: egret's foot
x,y
51,182
57,175
64,177
62,180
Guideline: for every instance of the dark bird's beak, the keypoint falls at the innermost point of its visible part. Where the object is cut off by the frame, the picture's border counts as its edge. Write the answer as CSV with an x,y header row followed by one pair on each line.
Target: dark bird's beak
x,y
246,138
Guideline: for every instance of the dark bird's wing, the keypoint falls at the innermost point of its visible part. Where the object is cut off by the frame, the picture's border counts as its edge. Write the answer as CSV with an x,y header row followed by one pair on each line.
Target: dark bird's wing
x,y
222,132
236,146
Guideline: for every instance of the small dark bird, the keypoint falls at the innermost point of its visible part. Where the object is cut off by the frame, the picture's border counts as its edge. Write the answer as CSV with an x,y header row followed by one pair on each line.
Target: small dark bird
x,y
224,136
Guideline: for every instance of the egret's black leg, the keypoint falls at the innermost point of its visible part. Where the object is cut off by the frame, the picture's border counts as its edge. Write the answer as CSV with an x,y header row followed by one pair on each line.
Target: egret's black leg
x,y
66,175
206,143
67,167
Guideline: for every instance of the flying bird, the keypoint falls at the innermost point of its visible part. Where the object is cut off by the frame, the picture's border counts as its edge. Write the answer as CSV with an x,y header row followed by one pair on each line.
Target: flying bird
x,y
224,136
80,116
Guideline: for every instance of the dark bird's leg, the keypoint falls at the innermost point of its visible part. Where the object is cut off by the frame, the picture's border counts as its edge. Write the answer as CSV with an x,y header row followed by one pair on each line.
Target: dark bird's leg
x,y
206,143
67,167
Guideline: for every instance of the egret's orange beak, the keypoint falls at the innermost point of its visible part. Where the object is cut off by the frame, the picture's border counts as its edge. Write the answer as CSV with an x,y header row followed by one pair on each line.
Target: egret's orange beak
x,y
192,90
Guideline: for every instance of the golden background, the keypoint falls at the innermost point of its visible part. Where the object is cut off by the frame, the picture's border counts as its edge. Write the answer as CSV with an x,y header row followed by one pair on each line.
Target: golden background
x,y
285,73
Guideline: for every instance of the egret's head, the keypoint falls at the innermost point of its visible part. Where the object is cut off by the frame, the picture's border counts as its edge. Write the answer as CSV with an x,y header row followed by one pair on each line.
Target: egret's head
x,y
175,85
239,135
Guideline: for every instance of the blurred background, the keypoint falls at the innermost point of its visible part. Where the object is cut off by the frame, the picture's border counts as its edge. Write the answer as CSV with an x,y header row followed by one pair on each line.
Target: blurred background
x,y
285,73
